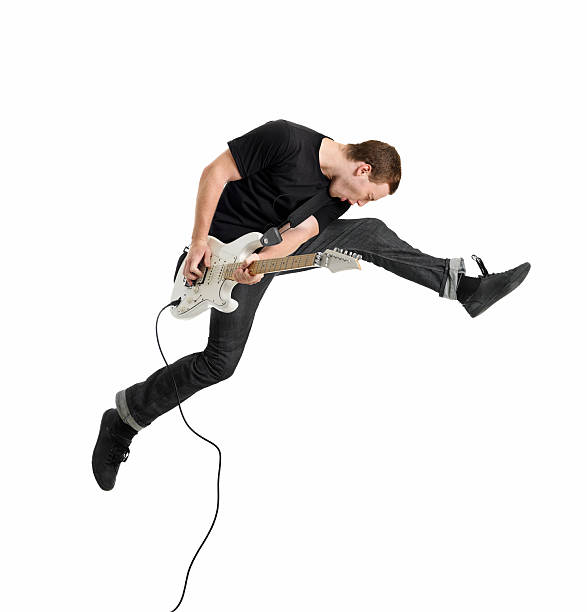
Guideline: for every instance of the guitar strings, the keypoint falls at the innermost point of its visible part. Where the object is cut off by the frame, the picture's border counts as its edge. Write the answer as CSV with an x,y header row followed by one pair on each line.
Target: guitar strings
x,y
175,303
231,267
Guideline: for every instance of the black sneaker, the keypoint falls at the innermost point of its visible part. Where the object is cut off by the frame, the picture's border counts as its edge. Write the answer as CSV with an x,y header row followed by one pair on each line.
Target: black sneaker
x,y
493,287
111,449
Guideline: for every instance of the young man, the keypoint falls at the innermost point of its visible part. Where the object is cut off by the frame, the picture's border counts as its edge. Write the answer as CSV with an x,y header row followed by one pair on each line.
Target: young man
x,y
260,182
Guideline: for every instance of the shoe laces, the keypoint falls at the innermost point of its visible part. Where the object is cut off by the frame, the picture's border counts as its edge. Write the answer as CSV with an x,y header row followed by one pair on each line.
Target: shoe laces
x,y
481,265
119,451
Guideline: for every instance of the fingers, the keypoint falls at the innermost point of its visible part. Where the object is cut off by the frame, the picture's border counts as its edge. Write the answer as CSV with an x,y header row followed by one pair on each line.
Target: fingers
x,y
189,277
248,279
192,273
242,274
195,271
191,269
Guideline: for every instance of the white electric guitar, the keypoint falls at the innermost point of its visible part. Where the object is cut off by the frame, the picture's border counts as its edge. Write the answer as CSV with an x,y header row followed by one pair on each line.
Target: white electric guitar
x,y
213,289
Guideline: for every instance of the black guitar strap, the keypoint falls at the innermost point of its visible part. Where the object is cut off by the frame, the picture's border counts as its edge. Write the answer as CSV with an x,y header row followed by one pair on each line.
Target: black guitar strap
x,y
317,201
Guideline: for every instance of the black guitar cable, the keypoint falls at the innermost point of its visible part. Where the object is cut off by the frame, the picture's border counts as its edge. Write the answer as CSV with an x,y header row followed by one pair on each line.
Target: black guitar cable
x,y
175,303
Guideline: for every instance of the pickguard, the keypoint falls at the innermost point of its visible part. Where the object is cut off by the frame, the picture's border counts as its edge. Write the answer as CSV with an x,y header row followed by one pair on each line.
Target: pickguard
x,y
213,290
209,288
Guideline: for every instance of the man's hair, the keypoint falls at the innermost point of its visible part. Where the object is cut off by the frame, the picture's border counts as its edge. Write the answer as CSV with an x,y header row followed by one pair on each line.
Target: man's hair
x,y
383,158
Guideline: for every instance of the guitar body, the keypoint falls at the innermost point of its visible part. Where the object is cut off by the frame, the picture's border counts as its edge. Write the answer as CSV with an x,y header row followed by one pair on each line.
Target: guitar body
x,y
213,290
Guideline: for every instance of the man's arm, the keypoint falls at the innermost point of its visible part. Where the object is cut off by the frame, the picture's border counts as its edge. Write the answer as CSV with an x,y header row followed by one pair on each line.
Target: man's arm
x,y
292,238
214,177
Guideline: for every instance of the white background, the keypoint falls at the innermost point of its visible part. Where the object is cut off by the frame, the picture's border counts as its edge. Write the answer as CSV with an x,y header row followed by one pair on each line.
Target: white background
x,y
381,449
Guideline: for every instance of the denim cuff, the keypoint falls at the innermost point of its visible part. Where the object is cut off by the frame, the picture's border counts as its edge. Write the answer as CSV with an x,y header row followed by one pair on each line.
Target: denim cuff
x,y
124,412
455,267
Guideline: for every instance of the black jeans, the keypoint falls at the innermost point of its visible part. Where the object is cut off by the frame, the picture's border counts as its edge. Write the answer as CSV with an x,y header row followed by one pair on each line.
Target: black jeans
x,y
140,404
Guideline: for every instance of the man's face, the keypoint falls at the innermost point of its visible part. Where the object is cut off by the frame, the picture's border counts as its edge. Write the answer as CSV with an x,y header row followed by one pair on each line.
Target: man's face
x,y
355,187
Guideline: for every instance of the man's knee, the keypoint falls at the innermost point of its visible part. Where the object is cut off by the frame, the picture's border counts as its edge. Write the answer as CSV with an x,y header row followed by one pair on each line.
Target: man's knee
x,y
375,226
228,368
371,234
219,366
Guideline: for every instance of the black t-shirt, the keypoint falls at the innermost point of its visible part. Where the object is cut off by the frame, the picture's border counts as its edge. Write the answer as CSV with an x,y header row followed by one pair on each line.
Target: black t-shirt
x,y
280,169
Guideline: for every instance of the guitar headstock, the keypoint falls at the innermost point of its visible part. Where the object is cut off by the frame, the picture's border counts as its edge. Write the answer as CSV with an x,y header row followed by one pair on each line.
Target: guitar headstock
x,y
336,260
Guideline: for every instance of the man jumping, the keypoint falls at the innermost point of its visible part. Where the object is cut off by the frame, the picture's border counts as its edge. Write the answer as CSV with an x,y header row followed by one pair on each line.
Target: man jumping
x,y
259,182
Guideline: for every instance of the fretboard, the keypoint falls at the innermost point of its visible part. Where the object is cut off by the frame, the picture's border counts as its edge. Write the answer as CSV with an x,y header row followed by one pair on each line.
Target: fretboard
x,y
267,266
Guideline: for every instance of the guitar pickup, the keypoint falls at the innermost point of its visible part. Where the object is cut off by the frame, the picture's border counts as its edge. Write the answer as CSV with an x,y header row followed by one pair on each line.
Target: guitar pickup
x,y
199,281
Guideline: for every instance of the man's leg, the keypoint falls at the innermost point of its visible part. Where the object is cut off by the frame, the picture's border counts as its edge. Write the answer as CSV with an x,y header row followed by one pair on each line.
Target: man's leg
x,y
378,244
142,403
139,405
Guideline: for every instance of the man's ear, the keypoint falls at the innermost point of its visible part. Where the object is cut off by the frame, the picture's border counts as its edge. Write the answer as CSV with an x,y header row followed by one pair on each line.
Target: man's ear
x,y
364,168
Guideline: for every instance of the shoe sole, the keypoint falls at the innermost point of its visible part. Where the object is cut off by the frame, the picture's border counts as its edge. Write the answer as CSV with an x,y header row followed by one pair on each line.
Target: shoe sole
x,y
94,453
513,284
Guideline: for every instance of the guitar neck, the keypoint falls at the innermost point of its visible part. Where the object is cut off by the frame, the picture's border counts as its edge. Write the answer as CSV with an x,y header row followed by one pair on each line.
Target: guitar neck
x,y
280,264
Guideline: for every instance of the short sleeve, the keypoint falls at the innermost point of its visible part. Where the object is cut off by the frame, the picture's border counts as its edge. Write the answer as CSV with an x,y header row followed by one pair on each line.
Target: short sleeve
x,y
329,213
265,146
